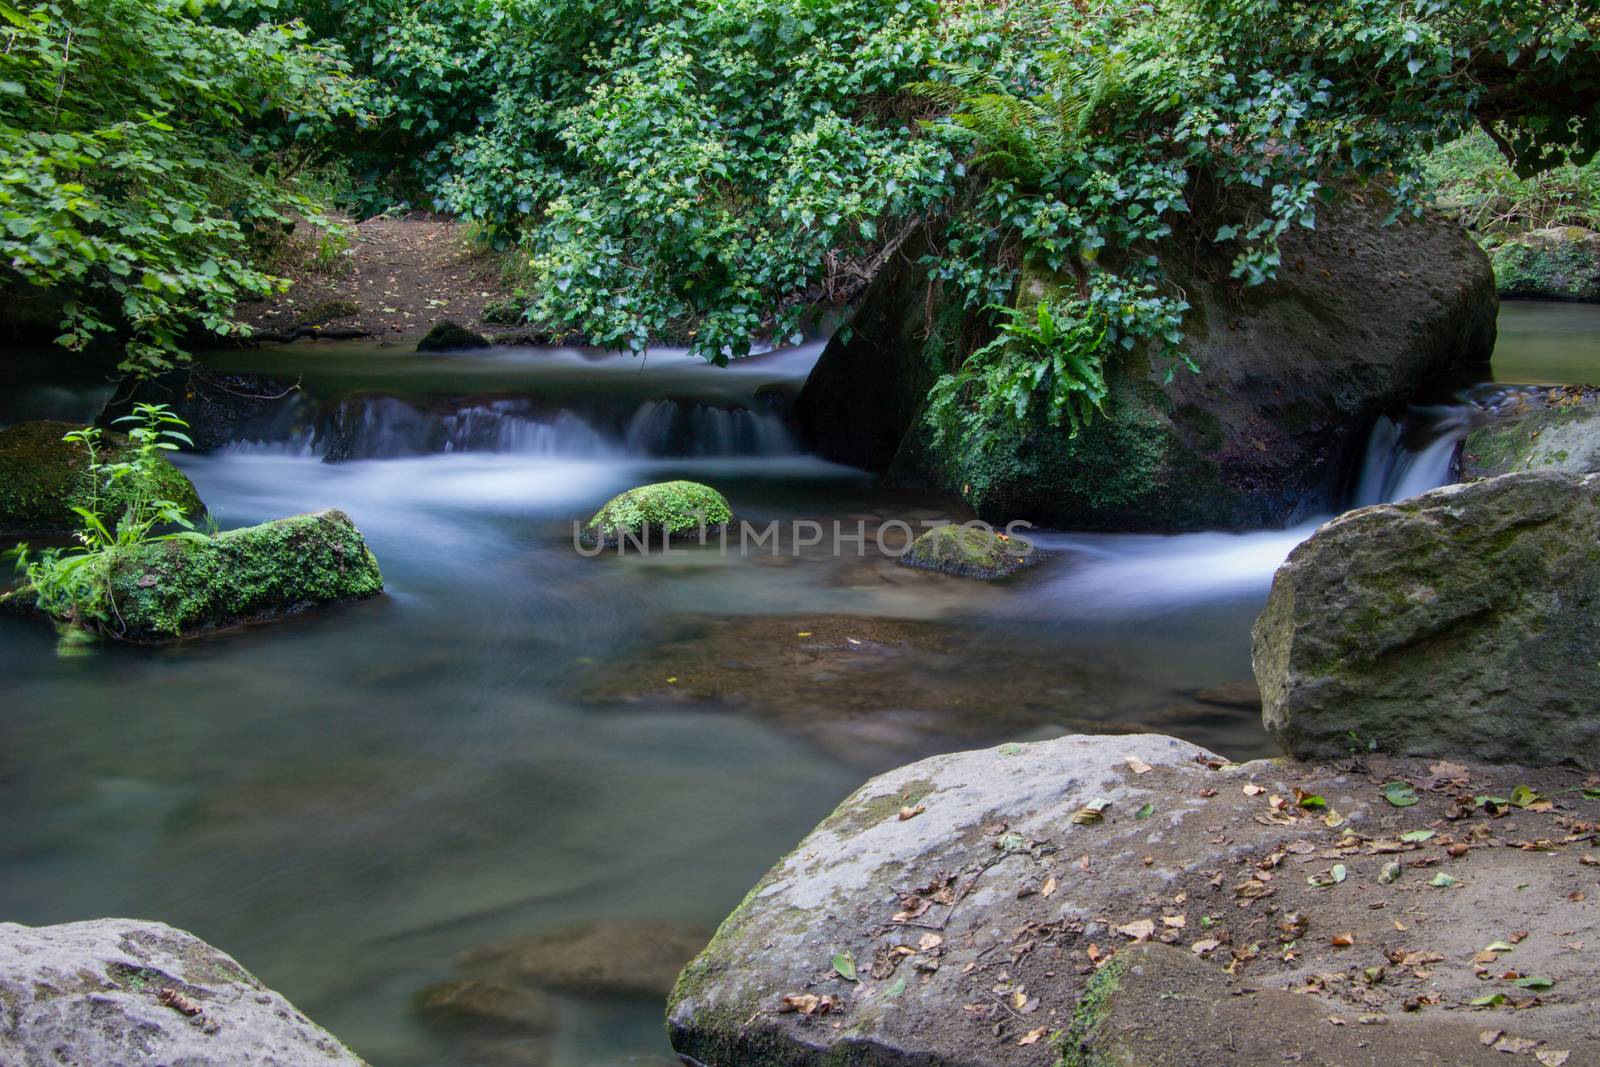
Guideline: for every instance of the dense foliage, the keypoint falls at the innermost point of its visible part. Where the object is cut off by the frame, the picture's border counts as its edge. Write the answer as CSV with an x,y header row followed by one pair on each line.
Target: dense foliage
x,y
131,173
712,172
1472,181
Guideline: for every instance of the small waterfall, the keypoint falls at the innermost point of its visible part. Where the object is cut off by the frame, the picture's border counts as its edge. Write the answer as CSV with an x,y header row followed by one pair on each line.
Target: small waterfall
x,y
680,428
1410,455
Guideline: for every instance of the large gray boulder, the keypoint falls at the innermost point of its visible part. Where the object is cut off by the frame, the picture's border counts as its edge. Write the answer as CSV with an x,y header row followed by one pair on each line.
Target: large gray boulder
x,y
121,992
961,911
1563,434
1464,622
1292,375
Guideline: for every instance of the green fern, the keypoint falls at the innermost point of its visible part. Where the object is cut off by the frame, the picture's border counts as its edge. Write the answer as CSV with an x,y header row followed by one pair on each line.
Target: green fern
x,y
1028,138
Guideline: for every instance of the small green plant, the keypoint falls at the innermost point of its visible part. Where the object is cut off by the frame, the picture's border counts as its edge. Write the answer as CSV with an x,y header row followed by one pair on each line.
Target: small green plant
x,y
74,584
1056,357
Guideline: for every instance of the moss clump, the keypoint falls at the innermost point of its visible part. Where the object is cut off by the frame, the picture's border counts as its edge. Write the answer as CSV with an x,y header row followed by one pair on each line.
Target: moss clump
x,y
165,590
662,510
1556,264
329,310
1074,1043
969,551
42,478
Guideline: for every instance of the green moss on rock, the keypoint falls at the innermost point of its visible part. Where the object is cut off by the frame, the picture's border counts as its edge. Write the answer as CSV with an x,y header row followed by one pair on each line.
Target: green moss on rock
x,y
166,590
42,478
1562,263
447,336
670,509
969,551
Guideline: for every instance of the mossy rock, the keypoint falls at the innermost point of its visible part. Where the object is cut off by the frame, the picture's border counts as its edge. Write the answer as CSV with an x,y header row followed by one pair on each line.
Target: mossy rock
x,y
1562,263
1557,438
42,478
172,589
447,336
328,310
969,551
662,510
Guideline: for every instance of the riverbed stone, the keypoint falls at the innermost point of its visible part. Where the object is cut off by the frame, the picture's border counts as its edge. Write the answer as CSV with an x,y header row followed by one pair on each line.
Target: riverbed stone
x,y
42,478
1462,623
646,514
1563,435
611,958
969,551
1291,376
1558,263
123,992
956,911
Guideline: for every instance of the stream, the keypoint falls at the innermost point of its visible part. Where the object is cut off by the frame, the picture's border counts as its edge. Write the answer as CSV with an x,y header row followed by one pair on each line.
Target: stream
x,y
499,746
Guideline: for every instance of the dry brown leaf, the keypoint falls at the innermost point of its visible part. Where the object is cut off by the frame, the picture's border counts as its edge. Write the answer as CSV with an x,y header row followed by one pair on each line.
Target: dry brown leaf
x,y
1552,1057
1251,789
1200,948
1138,930
1049,887
1139,766
1176,922
1342,940
911,813
1032,1036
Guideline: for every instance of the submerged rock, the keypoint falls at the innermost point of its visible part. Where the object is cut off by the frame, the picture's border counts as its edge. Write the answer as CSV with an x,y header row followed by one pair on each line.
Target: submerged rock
x,y
969,551
477,1005
1562,437
113,992
42,478
954,912
1561,263
1463,623
1291,376
616,958
665,509
447,336
168,590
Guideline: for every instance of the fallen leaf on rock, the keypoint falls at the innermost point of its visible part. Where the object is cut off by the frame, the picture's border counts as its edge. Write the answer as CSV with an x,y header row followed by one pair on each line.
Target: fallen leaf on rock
x,y
1442,881
1498,946
1416,837
175,1000
1145,812
1333,820
1049,887
896,989
1138,930
844,965
1250,789
1551,1057
1139,766
1522,796
1515,1045
1400,794
1342,940
808,1004
1176,922
929,942
1518,937
1534,982
1092,812
1589,859
912,813
1489,1037
1309,800
1331,877
1390,874
1491,1001
1032,1036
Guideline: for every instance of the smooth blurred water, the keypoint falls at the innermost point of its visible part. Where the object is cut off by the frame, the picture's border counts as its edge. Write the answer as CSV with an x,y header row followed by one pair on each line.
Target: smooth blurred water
x,y
346,800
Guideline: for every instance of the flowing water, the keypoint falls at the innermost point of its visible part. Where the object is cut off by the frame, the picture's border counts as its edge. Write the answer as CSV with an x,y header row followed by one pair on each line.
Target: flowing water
x,y
348,800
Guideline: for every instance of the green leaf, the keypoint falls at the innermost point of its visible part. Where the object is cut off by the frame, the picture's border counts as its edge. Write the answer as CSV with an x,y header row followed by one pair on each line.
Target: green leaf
x,y
1490,1001
844,965
1400,794
1145,812
1522,796
1534,982
1442,881
897,988
1414,837
1311,800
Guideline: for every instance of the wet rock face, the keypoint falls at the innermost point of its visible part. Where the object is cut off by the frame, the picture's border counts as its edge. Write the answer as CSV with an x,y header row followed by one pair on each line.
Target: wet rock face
x,y
618,958
114,992
1463,623
1561,263
964,910
1291,375
1562,436
968,552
